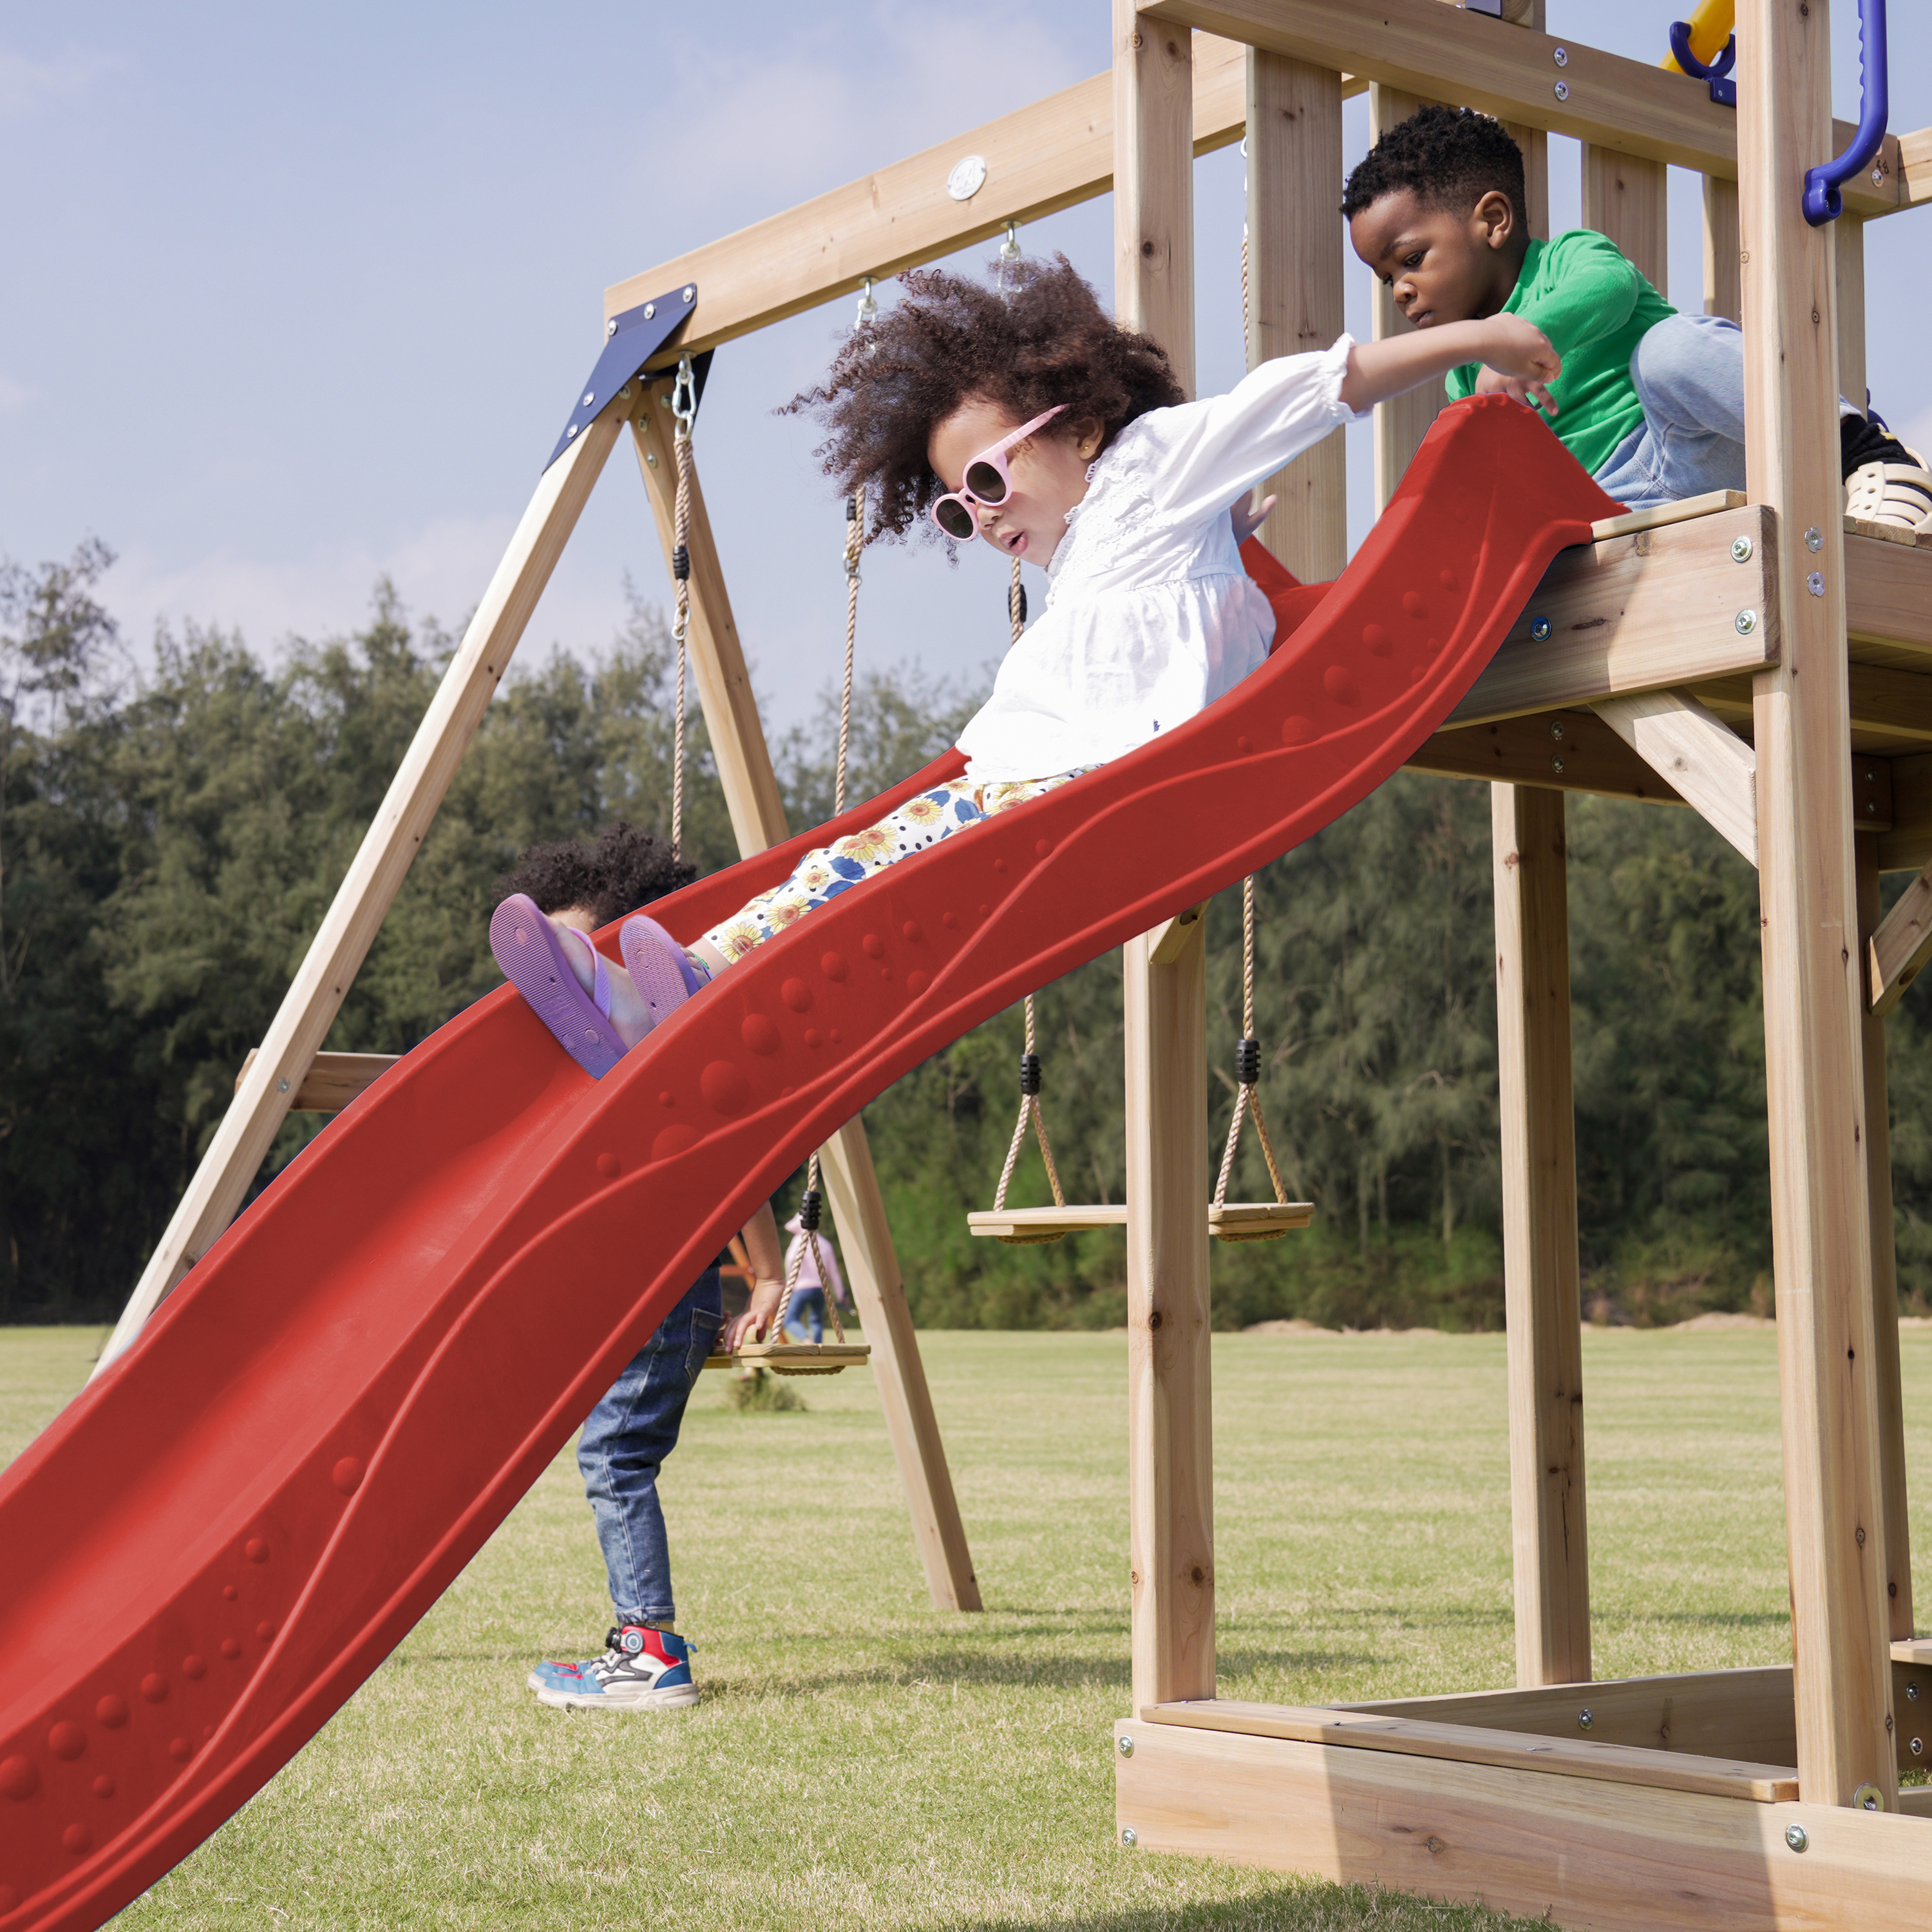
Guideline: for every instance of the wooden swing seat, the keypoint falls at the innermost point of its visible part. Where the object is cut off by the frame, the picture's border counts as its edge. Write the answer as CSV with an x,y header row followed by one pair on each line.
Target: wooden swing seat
x,y
1242,1221
796,1358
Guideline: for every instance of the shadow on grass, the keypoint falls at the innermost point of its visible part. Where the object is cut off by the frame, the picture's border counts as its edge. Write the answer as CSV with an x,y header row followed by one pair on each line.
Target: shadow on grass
x,y
1307,1905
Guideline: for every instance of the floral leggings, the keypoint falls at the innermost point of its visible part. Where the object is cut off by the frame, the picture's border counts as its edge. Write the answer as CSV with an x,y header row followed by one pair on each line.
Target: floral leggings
x,y
825,872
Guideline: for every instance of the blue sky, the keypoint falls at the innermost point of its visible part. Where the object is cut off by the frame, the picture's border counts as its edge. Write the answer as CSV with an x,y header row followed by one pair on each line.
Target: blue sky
x,y
300,298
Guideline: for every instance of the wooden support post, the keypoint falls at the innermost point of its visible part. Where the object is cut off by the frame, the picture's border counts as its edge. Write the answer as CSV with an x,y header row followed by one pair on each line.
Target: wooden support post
x,y
1723,272
1170,1441
1828,1367
1541,1286
1885,1276
1626,198
757,818
335,955
1403,420
1295,248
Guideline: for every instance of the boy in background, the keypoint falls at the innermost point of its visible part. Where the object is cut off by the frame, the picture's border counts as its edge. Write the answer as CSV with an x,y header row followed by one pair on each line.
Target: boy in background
x,y
1651,402
646,1665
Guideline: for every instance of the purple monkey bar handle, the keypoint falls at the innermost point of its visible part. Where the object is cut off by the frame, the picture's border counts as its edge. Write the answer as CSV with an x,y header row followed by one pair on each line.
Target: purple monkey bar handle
x,y
1723,89
1822,202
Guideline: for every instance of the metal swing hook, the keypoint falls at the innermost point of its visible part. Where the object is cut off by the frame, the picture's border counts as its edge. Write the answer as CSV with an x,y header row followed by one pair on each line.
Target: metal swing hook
x,y
1822,201
684,397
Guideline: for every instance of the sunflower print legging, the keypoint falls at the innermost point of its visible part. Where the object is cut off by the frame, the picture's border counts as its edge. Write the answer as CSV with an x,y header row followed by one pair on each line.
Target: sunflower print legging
x,y
826,870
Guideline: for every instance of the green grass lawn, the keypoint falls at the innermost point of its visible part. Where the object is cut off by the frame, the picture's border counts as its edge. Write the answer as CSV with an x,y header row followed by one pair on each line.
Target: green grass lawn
x,y
860,1759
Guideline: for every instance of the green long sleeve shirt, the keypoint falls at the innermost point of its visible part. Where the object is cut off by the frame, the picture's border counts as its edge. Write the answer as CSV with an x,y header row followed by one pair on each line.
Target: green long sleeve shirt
x,y
1594,308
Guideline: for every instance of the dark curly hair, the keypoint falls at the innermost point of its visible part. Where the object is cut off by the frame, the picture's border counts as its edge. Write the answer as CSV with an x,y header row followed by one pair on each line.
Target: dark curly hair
x,y
624,869
1044,340
1448,157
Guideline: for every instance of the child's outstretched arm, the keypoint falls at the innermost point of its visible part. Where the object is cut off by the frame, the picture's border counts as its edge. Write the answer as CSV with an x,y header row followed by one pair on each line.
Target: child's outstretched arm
x,y
1518,351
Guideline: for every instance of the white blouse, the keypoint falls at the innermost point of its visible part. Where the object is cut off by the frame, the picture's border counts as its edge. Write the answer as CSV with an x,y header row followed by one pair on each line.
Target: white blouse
x,y
1149,617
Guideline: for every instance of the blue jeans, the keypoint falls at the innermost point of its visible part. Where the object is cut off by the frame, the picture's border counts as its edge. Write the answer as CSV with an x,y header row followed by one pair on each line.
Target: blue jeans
x,y
625,1441
805,1319
1689,374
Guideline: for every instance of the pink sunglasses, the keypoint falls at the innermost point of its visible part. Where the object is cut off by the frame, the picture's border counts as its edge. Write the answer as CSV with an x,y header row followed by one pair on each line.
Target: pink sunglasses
x,y
984,485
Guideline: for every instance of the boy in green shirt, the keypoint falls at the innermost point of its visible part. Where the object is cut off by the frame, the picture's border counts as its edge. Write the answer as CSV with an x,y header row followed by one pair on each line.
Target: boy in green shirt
x,y
1650,402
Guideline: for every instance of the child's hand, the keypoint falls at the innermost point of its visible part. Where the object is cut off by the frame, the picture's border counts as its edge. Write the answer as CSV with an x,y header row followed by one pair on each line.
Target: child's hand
x,y
1247,520
1519,362
755,1323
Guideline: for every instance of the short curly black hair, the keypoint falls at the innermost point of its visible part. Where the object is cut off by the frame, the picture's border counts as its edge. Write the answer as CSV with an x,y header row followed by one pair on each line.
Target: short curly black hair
x,y
626,868
1043,339
1448,157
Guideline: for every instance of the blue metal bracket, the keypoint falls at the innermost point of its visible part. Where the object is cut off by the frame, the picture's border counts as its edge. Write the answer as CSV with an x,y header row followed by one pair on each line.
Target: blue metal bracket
x,y
1822,202
631,340
1723,89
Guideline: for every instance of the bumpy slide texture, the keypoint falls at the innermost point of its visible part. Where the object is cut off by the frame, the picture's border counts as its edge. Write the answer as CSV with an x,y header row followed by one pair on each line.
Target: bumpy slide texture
x,y
219,1538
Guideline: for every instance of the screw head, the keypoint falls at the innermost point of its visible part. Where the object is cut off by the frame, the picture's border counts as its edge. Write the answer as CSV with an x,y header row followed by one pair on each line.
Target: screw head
x,y
1556,763
1918,1747
968,178
1868,1797
1744,623
1796,1837
1814,538
1556,730
1742,550
281,1086
611,327
1911,1690
651,457
1562,56
1539,629
1585,1718
1815,583
1130,1836
571,430
1125,1744
589,396
650,310
1563,90
691,293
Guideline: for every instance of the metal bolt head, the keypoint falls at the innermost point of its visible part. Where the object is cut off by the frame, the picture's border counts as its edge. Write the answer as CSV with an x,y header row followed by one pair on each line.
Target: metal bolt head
x,y
1918,1747
650,310
691,293
1742,550
1556,763
1868,1797
1556,729
1130,1836
571,430
1563,90
1744,623
1796,1837
968,178
1911,1690
1814,538
1539,629
651,457
281,1086
589,396
1585,1718
611,327
1126,1745
1562,56
1815,583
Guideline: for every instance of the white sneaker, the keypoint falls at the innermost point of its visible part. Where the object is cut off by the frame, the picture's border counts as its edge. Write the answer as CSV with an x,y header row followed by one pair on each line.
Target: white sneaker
x,y
1890,493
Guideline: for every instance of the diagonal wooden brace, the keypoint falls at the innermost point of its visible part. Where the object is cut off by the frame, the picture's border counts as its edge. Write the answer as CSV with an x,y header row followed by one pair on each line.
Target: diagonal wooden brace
x,y
1706,763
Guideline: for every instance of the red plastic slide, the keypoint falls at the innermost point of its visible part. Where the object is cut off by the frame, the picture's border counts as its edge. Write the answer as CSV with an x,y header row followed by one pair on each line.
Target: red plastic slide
x,y
222,1537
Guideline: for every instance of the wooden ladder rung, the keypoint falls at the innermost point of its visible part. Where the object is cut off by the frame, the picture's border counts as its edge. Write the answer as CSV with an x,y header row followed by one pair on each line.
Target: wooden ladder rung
x,y
332,1080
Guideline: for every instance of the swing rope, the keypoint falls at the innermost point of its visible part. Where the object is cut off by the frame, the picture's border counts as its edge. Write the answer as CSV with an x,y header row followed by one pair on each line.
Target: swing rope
x,y
1248,1065
811,1202
684,406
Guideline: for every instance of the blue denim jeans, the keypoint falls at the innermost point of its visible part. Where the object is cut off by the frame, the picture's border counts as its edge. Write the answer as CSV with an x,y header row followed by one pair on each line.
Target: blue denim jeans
x,y
624,1444
1689,373
805,1319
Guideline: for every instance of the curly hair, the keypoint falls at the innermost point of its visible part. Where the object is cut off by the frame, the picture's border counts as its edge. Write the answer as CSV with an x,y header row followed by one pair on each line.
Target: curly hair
x,y
626,868
1044,339
1448,157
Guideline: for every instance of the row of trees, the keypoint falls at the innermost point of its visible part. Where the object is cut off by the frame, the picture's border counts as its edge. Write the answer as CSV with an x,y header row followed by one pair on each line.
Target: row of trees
x,y
169,841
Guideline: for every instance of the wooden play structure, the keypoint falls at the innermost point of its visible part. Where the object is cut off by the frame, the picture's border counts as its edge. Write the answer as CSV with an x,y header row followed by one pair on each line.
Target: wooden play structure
x,y
1747,656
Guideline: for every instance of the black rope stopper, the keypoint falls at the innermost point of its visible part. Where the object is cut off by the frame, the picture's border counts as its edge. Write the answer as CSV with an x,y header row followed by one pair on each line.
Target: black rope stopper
x,y
808,1205
1029,1075
1248,1062
1016,603
680,562
852,509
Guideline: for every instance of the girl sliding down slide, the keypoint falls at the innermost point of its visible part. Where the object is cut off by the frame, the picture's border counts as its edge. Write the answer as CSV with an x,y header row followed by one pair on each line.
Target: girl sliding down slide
x,y
1029,420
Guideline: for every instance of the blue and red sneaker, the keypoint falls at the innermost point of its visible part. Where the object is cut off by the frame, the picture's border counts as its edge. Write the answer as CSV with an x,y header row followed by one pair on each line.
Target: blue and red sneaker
x,y
643,1669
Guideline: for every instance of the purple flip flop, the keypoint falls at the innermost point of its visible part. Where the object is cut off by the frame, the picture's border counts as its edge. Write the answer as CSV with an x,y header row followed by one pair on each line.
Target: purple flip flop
x,y
530,951
657,967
